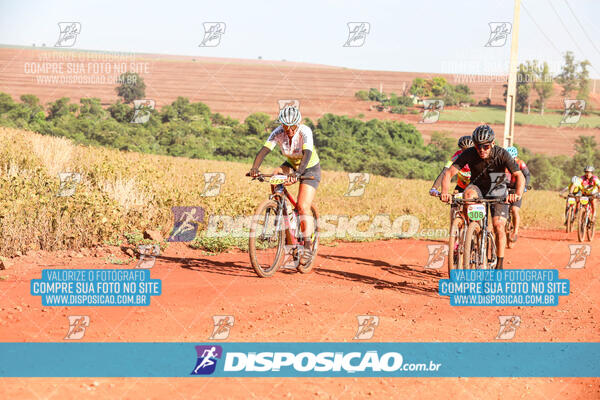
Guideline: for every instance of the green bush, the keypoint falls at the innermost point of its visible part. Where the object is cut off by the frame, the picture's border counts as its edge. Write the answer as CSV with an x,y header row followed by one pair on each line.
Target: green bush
x,y
398,110
362,95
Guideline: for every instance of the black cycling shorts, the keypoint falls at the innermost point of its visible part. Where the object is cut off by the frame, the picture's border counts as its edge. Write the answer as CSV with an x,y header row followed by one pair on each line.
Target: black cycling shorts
x,y
498,209
314,171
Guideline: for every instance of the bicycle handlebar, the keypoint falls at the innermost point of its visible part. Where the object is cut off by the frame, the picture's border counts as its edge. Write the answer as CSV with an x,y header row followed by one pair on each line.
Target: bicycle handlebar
x,y
261,177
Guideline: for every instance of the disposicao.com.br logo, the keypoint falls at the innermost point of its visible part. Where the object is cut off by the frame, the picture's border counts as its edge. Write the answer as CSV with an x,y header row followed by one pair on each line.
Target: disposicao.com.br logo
x,y
309,363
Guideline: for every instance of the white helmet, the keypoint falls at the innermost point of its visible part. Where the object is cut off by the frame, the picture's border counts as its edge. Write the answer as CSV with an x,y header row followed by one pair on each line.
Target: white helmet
x,y
290,115
575,180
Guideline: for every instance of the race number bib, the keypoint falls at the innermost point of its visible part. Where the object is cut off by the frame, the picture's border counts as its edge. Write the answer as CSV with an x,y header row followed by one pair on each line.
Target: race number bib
x,y
476,212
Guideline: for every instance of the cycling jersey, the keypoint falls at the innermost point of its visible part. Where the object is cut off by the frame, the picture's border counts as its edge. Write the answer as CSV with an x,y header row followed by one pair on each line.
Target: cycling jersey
x,y
464,175
484,171
292,149
588,186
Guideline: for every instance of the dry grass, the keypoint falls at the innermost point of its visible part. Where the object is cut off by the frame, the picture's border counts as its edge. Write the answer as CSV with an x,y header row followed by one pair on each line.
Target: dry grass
x,y
121,192
55,153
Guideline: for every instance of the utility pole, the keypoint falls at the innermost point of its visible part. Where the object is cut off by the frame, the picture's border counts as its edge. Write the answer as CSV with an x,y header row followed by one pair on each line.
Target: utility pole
x,y
511,93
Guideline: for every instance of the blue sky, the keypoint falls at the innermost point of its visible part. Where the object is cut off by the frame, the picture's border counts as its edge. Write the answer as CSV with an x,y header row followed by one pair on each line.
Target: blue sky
x,y
423,36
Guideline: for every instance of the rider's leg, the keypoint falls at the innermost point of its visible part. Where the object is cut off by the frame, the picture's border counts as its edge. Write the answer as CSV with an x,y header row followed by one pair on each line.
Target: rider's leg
x,y
593,203
500,231
516,216
306,195
471,192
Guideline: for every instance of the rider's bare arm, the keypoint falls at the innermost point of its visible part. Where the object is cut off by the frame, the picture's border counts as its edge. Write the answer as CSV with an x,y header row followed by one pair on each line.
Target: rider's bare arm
x,y
527,175
520,185
260,157
438,181
448,174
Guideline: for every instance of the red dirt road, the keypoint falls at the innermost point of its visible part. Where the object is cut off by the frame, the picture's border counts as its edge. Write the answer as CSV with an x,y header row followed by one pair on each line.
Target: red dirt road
x,y
385,278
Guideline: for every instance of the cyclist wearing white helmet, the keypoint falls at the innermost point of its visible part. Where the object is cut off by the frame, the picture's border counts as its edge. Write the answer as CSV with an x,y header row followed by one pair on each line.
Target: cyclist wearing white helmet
x,y
515,208
589,185
296,143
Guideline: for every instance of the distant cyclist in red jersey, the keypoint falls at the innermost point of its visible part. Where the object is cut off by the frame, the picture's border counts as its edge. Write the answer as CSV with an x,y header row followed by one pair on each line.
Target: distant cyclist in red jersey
x,y
463,177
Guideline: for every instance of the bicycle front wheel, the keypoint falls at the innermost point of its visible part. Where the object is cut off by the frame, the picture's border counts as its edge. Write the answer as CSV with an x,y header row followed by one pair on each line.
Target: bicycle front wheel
x,y
472,257
266,239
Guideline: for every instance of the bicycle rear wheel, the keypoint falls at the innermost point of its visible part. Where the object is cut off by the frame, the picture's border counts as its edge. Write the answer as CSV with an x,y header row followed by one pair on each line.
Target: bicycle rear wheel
x,y
456,245
473,247
305,269
266,239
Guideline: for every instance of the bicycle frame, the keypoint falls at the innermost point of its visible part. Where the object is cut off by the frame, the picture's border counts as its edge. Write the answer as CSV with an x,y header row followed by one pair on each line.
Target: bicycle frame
x,y
278,191
487,235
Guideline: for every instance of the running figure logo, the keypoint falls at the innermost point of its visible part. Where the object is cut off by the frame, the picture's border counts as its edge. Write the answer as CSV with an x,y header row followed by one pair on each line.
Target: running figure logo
x,y
366,327
357,183
77,325
212,34
357,34
207,359
431,111
148,253
508,326
579,254
499,32
223,325
143,109
437,255
68,34
212,183
68,183
186,223
573,110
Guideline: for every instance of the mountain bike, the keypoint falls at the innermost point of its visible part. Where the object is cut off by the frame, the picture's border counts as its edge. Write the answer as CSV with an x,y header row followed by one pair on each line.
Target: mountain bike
x,y
275,233
586,226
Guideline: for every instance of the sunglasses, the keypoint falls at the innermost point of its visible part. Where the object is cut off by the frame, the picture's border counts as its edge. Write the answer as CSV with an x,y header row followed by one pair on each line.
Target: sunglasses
x,y
486,146
290,128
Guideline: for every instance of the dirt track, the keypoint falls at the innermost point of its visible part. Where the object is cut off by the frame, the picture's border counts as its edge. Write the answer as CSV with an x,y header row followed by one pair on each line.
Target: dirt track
x,y
386,278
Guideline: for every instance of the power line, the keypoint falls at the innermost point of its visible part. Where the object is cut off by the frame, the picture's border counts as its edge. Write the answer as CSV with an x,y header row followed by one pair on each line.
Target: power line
x,y
564,26
540,29
569,32
581,26
546,36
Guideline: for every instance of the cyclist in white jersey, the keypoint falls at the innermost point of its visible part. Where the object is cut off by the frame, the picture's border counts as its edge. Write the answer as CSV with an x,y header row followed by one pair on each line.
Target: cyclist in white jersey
x,y
296,143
